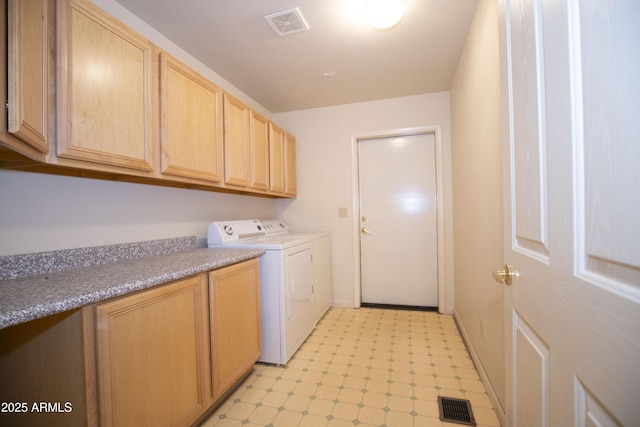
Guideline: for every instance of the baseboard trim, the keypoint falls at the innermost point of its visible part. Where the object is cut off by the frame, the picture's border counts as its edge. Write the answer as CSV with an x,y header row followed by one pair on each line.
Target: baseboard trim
x,y
481,371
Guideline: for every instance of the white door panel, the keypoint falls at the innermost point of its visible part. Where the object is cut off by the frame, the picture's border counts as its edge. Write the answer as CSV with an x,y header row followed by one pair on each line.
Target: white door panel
x,y
571,95
607,62
399,258
532,370
530,159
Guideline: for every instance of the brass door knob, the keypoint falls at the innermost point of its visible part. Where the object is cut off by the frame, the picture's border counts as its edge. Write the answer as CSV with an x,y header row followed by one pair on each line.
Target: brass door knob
x,y
364,230
505,275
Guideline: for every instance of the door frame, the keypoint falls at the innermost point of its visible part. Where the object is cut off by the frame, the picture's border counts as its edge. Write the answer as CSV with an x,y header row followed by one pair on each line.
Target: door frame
x,y
436,131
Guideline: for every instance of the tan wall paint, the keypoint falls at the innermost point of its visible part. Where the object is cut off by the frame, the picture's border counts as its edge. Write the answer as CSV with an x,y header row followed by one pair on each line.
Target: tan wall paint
x,y
477,194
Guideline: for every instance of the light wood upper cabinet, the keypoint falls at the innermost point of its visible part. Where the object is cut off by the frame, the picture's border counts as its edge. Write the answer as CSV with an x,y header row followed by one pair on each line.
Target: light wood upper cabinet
x,y
107,90
259,160
86,92
276,159
282,162
236,333
28,24
236,142
153,356
191,134
246,146
290,174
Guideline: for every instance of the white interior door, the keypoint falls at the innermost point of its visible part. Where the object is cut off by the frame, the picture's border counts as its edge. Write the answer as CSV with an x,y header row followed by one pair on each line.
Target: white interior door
x,y
571,92
399,258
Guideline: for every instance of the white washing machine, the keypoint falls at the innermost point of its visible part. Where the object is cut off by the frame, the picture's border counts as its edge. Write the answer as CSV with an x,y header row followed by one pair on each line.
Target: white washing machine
x,y
295,280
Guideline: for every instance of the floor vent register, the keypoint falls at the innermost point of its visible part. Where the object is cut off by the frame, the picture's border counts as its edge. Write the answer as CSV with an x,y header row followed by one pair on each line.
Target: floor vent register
x,y
456,411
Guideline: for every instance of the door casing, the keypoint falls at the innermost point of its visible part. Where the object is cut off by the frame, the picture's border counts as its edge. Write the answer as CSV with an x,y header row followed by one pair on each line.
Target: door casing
x,y
436,131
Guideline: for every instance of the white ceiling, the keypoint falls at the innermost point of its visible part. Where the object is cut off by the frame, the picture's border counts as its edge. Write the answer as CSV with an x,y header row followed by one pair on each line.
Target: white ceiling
x,y
419,55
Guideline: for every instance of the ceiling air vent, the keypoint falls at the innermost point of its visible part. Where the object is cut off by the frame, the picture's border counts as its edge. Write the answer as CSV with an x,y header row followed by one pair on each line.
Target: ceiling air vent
x,y
287,22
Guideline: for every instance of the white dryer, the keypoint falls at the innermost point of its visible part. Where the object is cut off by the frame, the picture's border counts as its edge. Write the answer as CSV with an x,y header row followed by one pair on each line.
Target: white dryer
x,y
295,280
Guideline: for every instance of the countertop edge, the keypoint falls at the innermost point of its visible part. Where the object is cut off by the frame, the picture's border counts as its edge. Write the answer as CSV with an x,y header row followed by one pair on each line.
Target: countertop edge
x,y
144,273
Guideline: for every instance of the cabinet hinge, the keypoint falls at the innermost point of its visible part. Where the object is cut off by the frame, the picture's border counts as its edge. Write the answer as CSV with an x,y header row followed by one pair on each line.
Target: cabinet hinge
x,y
6,105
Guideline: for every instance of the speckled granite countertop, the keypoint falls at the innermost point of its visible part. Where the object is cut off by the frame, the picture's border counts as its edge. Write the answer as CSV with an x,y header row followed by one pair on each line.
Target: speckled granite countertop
x,y
27,298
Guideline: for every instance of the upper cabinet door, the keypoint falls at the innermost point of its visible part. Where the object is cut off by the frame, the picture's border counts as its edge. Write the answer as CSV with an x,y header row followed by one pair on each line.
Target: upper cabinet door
x,y
236,142
290,178
107,87
191,123
28,72
259,143
276,159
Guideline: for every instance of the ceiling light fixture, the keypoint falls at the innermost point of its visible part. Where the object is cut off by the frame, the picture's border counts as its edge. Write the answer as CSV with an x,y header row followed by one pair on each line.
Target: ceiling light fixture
x,y
384,13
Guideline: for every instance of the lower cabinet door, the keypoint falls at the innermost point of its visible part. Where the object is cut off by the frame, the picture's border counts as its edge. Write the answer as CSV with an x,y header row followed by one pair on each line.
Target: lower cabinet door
x,y
236,333
153,356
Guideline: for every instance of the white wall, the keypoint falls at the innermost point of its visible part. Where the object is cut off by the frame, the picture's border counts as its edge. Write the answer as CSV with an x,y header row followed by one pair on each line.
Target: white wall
x,y
325,172
47,212
477,195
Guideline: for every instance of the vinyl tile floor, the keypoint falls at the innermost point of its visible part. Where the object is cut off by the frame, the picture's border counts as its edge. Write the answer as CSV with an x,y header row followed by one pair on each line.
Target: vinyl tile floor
x,y
363,367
